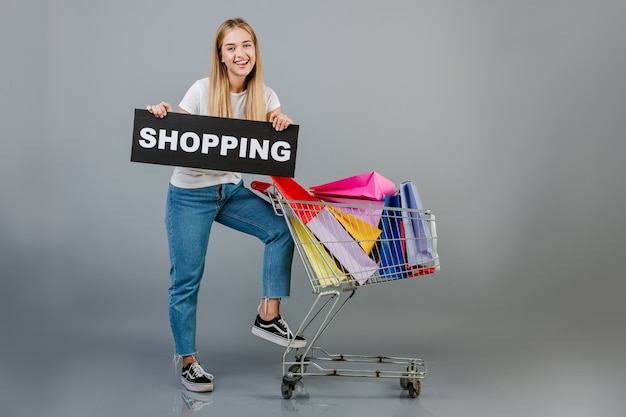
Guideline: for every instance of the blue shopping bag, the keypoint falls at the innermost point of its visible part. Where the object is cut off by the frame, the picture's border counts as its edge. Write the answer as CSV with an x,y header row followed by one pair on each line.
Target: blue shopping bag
x,y
392,260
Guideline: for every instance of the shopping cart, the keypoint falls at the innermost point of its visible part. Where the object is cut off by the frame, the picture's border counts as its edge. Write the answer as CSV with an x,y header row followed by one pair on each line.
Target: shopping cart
x,y
338,264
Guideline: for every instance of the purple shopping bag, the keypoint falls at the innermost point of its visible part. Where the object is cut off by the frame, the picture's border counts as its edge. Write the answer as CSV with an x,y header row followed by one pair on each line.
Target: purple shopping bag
x,y
418,238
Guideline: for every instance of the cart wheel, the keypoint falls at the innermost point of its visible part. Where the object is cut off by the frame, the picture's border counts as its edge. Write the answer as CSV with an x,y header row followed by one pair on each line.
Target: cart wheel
x,y
415,389
286,390
404,383
295,368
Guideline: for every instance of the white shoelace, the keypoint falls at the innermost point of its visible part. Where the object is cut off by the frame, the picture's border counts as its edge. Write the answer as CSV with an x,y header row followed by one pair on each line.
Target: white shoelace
x,y
197,371
282,321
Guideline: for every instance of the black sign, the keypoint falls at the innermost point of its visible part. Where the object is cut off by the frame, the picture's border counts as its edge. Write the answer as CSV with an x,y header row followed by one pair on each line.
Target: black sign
x,y
214,143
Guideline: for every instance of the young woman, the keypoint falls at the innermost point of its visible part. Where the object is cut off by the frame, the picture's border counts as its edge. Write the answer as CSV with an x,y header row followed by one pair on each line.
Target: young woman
x,y
198,197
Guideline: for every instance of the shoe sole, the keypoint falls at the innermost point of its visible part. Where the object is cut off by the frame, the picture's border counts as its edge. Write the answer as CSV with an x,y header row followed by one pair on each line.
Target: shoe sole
x,y
270,337
196,387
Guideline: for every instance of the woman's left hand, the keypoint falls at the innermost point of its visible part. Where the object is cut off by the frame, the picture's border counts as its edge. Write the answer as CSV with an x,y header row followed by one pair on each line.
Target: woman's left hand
x,y
280,121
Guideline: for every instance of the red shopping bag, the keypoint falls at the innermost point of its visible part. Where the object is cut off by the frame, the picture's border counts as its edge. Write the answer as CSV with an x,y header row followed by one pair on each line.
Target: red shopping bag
x,y
291,190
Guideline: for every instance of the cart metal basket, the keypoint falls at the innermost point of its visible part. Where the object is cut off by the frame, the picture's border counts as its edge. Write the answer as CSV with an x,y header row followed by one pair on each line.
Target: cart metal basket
x,y
345,247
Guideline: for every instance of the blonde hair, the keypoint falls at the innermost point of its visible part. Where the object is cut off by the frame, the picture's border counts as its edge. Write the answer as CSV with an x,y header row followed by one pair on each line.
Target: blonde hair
x,y
219,84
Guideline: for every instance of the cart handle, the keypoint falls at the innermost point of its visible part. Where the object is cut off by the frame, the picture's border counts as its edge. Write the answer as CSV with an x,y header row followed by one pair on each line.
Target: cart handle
x,y
263,187
260,186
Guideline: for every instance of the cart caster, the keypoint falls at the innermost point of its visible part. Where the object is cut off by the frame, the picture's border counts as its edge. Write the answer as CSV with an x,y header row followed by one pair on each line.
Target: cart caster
x,y
286,390
404,383
414,388
295,368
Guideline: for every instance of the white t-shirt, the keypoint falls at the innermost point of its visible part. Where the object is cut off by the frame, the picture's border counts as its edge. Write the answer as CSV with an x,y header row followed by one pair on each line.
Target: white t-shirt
x,y
195,101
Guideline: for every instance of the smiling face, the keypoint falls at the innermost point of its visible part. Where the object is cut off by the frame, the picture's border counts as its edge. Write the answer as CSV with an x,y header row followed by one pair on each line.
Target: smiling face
x,y
238,53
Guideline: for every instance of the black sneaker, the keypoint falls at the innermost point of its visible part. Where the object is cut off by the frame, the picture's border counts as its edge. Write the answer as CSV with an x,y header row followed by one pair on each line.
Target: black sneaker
x,y
196,379
277,331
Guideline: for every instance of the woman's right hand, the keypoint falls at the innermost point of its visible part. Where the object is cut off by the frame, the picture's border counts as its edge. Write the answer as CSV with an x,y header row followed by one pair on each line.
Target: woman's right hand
x,y
160,110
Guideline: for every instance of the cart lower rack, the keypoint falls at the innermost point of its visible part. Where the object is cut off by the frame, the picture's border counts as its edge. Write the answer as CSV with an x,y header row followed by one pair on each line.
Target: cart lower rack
x,y
345,247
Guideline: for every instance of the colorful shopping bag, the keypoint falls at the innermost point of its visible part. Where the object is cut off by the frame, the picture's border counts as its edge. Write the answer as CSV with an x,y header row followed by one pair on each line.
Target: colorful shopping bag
x,y
369,186
327,229
291,190
419,245
342,246
391,248
323,265
362,231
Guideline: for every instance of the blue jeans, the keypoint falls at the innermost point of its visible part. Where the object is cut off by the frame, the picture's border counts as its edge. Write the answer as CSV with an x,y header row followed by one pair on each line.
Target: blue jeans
x,y
189,216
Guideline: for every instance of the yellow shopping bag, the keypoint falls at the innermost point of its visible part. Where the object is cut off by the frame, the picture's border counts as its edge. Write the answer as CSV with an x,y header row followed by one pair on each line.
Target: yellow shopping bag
x,y
324,266
363,232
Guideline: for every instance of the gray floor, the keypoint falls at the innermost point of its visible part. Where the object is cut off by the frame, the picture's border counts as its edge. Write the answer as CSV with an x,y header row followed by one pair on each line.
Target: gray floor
x,y
112,368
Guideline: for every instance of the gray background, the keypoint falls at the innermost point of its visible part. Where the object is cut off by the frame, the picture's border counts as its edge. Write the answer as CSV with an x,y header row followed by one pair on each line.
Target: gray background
x,y
509,115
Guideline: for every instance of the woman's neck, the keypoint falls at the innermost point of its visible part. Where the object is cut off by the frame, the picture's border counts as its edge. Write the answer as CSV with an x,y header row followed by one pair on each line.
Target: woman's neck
x,y
237,84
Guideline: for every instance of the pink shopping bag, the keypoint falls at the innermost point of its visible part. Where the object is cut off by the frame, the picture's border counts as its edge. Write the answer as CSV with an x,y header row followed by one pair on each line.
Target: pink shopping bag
x,y
369,186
